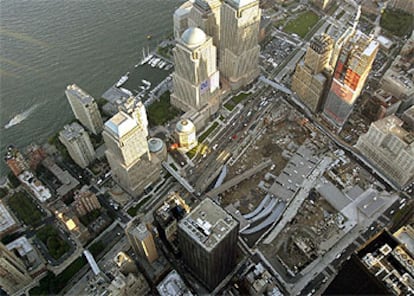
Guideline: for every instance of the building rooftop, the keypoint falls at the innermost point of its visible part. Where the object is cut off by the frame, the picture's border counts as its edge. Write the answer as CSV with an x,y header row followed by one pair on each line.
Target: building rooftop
x,y
155,144
193,37
82,96
208,223
39,190
6,219
173,285
72,131
120,124
184,126
406,235
392,125
22,246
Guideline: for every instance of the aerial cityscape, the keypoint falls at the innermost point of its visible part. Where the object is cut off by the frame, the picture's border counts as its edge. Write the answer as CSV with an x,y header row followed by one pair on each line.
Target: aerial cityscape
x,y
252,147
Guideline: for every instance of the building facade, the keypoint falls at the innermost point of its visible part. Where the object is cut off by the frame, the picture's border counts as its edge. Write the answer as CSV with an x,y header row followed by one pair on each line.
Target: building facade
x,y
351,71
208,240
85,201
141,240
390,148
132,165
13,273
78,144
196,78
312,74
85,108
205,14
239,47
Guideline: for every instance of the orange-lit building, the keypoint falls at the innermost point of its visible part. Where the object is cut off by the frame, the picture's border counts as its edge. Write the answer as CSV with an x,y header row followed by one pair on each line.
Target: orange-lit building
x,y
15,161
351,71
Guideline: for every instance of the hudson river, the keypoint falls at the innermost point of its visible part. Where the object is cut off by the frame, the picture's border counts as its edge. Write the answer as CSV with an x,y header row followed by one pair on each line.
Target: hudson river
x,y
47,44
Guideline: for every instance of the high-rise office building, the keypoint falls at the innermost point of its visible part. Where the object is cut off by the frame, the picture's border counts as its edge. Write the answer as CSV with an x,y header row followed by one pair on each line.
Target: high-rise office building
x,y
208,240
85,108
239,48
141,240
390,148
180,19
127,151
196,78
205,14
312,74
351,71
13,273
78,144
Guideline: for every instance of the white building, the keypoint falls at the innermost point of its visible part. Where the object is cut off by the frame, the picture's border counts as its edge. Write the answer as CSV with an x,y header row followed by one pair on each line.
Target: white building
x,y
78,144
186,134
196,78
85,108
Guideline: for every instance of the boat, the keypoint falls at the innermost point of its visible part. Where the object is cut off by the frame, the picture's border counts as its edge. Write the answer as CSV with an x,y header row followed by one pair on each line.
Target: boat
x,y
20,117
145,57
146,82
122,80
149,36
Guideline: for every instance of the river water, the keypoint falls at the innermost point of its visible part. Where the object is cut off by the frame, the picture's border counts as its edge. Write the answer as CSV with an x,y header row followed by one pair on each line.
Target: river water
x,y
47,44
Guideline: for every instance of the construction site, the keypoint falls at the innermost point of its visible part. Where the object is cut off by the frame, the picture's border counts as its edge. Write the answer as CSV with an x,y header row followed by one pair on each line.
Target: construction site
x,y
278,133
302,240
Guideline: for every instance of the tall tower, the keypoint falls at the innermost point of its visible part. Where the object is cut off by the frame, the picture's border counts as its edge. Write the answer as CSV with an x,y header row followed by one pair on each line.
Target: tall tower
x,y
351,71
125,137
141,240
311,76
208,240
13,273
239,48
205,15
78,144
196,78
85,108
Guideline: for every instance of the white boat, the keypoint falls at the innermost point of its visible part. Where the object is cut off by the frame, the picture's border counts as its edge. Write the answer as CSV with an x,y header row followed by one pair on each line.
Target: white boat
x,y
146,82
20,117
122,80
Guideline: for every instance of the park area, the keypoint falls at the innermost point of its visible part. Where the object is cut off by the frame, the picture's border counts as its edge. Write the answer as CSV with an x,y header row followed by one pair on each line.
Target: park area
x,y
397,22
162,111
302,24
56,246
25,209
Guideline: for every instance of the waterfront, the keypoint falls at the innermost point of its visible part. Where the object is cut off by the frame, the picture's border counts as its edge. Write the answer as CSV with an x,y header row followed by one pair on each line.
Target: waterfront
x,y
46,45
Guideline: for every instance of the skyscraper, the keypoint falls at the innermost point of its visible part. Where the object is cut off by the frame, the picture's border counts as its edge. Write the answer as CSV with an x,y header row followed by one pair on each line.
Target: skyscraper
x,y
196,78
208,241
205,14
239,48
141,240
312,74
390,148
85,108
351,71
127,152
13,273
78,144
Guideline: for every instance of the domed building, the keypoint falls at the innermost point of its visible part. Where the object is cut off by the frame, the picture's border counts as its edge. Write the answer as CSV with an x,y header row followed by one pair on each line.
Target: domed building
x,y
186,134
196,78
157,147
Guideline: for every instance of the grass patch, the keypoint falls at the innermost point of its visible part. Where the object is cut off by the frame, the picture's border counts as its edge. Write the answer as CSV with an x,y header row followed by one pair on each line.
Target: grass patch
x,y
96,248
192,152
397,22
302,24
25,209
52,285
162,111
230,105
55,244
132,211
240,97
207,132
